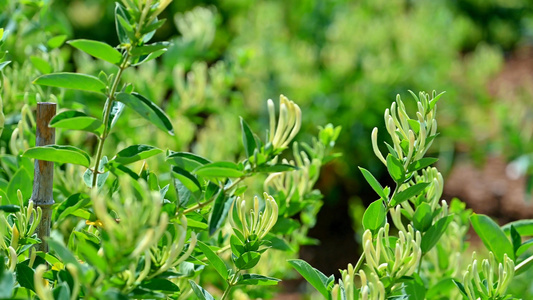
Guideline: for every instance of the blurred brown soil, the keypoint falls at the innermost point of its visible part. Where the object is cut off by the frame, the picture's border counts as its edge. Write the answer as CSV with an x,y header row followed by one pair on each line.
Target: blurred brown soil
x,y
493,189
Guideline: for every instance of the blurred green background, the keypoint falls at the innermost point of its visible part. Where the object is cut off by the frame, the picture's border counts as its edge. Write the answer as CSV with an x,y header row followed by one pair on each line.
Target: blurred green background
x,y
343,62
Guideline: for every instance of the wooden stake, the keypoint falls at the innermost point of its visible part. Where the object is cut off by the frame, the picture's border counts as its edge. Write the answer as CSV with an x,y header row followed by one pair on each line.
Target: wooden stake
x,y
43,181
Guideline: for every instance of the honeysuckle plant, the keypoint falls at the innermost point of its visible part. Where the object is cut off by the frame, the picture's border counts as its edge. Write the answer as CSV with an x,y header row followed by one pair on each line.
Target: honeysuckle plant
x,y
424,260
147,232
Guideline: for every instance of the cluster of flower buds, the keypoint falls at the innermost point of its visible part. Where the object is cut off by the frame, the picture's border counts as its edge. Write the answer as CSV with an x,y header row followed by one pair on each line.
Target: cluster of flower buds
x,y
18,143
145,12
389,260
22,226
491,281
254,223
197,27
297,182
44,290
134,225
288,125
167,255
411,138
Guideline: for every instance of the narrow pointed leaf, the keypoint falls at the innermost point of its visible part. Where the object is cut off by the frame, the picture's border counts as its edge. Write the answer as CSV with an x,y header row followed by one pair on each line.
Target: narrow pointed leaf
x,y
492,236
98,49
77,120
311,275
374,183
214,260
408,193
219,169
73,81
148,110
135,153
59,154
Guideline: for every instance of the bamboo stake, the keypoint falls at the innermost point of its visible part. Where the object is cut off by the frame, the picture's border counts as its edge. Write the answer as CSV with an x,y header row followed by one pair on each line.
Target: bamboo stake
x,y
43,181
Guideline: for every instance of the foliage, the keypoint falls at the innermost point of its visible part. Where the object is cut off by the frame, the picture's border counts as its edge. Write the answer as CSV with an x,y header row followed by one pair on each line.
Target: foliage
x,y
423,261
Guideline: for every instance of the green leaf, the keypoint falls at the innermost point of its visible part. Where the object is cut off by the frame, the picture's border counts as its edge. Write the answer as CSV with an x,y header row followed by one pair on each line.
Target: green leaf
x,y
61,291
77,120
423,217
219,169
256,279
59,154
461,288
7,283
185,160
25,276
63,253
21,180
148,110
248,139
436,291
3,64
421,164
432,236
276,168
524,227
73,81
98,49
124,29
374,183
149,57
311,275
200,292
147,49
516,239
492,236
395,168
219,212
214,260
71,204
88,176
187,185
375,216
116,110
415,289
237,246
160,284
135,153
247,260
56,41
10,208
523,247
408,193
40,64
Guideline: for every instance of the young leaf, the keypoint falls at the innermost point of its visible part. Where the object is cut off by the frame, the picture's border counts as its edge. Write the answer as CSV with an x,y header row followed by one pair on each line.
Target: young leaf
x,y
374,183
375,216
200,292
40,64
98,49
214,260
219,212
73,81
219,169
148,110
25,276
135,153
147,49
247,260
415,289
311,275
395,168
276,168
492,236
185,160
422,218
421,163
256,279
248,139
59,154
432,236
20,181
124,29
56,41
408,193
524,227
516,239
116,110
76,120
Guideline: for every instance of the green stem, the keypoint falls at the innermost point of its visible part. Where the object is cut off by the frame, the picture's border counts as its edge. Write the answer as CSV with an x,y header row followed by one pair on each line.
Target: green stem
x,y
107,112
523,264
202,204
231,284
359,263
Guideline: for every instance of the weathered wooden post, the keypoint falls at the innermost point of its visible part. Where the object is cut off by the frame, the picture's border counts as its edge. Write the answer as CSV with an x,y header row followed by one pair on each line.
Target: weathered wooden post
x,y
43,181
